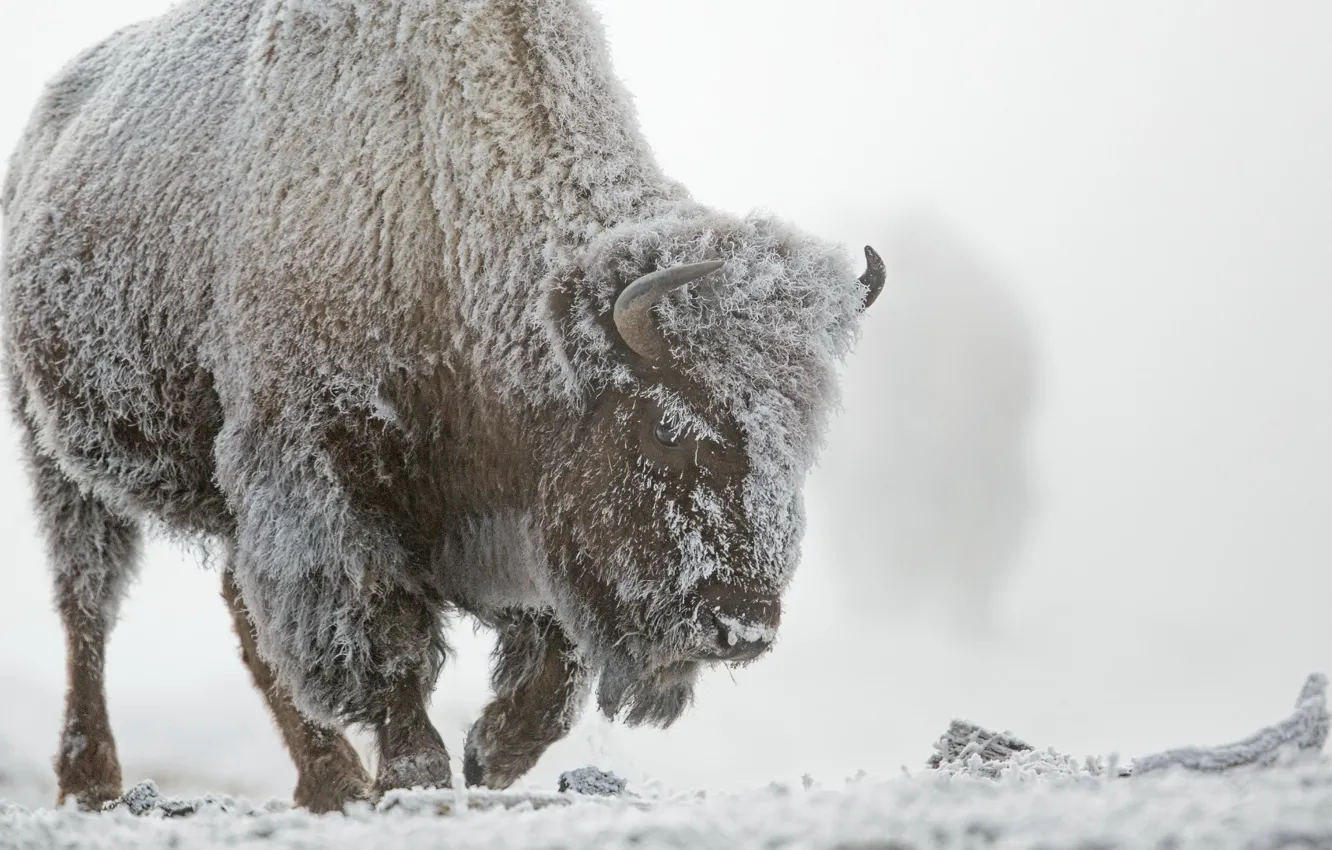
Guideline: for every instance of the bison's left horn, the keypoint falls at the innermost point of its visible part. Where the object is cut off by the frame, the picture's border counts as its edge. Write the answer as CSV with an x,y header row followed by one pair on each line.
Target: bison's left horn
x,y
631,308
874,276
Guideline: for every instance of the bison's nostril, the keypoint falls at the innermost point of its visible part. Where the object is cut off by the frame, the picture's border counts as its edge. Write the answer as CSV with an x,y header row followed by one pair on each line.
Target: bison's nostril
x,y
734,622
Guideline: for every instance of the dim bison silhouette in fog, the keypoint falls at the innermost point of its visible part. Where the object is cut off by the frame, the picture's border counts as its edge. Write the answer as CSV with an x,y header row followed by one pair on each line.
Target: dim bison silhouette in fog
x,y
392,301
929,471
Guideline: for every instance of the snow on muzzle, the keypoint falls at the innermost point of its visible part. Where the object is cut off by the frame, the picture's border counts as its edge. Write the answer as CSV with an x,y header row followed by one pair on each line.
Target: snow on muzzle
x,y
735,623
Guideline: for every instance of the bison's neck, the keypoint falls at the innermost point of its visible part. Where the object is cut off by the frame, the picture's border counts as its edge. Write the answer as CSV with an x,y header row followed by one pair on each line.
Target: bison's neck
x,y
537,145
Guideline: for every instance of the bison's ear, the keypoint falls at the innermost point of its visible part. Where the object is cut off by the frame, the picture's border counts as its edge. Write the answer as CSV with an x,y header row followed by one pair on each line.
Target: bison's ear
x,y
559,302
580,336
559,321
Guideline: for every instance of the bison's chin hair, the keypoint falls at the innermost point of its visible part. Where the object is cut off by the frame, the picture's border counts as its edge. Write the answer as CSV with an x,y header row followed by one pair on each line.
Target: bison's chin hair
x,y
638,696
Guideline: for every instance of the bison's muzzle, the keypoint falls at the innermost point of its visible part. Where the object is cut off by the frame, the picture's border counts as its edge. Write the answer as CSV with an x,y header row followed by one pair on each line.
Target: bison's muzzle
x,y
735,624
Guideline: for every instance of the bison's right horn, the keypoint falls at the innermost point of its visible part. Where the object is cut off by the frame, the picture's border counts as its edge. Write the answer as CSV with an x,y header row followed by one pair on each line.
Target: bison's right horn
x,y
631,314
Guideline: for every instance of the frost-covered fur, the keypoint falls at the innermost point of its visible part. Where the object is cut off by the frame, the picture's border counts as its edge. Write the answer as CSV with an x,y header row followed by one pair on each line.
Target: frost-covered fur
x,y
332,280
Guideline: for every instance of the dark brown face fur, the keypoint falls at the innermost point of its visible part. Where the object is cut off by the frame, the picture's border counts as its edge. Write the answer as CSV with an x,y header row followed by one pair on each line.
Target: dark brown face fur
x,y
644,521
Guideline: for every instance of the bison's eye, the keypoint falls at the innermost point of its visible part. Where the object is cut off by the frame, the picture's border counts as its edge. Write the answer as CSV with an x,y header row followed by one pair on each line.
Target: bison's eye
x,y
668,434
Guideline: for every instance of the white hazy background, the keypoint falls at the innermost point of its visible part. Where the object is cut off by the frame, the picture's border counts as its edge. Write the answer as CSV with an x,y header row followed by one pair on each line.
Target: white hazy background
x,y
1082,485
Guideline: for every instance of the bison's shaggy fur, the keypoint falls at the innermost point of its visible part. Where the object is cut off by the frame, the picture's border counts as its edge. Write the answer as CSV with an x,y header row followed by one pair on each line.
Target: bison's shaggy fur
x,y
330,282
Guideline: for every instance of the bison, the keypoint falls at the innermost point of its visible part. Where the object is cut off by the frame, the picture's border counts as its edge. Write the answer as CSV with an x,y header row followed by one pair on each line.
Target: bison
x,y
390,304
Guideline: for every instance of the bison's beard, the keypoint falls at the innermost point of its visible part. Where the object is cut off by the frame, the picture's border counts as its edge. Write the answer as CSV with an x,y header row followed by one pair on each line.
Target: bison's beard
x,y
639,695
641,681
640,637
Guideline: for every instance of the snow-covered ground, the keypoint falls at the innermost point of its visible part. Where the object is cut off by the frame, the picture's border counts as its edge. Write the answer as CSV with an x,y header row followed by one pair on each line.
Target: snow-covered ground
x,y
1040,804
1273,789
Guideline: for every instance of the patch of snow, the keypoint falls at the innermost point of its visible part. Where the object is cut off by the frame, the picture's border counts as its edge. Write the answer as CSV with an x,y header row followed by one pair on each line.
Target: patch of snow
x,y
742,630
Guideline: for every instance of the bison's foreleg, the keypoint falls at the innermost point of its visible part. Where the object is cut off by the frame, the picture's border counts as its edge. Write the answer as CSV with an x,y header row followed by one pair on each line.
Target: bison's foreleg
x,y
363,652
411,752
351,636
328,772
540,686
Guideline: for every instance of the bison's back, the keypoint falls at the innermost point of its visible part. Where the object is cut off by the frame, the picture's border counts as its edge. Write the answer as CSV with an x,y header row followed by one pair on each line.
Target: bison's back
x,y
112,205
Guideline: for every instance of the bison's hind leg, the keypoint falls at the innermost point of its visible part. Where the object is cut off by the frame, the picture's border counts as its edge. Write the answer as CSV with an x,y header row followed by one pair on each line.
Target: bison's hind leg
x,y
93,553
329,774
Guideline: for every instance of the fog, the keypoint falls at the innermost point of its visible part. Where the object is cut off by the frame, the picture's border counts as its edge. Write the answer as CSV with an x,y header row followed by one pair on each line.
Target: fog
x,y
1082,481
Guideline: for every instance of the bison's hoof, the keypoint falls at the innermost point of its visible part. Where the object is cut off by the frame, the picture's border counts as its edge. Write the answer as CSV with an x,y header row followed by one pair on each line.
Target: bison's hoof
x,y
329,776
426,769
92,798
320,797
329,788
88,771
473,773
497,767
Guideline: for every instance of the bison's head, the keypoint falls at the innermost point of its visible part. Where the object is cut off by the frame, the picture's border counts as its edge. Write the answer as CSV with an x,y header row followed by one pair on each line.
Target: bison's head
x,y
702,352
